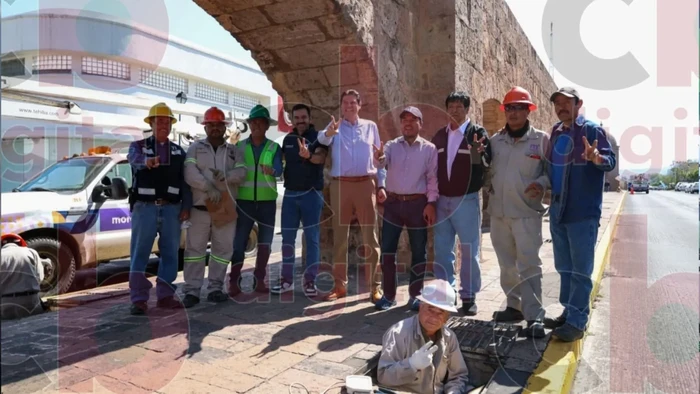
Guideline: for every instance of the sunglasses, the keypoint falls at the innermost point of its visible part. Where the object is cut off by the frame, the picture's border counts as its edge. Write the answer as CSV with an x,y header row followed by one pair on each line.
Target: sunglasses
x,y
516,107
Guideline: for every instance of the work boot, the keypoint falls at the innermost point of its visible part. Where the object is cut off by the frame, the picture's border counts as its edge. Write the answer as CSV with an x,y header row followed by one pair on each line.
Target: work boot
x,y
217,296
556,322
509,314
567,333
469,307
139,308
375,296
339,291
189,301
535,329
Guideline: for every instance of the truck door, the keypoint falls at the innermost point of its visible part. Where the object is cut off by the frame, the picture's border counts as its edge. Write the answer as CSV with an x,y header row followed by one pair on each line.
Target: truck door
x,y
114,231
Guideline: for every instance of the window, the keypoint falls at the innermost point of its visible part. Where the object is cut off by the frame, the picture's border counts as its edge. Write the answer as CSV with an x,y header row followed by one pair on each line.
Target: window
x,y
52,64
66,175
106,68
160,80
13,68
244,102
211,93
123,169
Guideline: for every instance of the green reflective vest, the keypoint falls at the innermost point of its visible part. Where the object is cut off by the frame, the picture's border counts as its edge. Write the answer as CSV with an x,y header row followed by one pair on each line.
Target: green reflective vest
x,y
258,186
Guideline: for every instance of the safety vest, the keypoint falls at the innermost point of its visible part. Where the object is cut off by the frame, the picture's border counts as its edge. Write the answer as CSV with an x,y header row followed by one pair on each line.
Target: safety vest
x,y
258,186
163,182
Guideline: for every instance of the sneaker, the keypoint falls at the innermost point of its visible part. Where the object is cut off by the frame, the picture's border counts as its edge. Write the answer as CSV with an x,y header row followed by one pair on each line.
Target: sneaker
x,y
189,301
469,307
216,296
282,287
414,304
384,304
535,329
139,308
310,289
509,314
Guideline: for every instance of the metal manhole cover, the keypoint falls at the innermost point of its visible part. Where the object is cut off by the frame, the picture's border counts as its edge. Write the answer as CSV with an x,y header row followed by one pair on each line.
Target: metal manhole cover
x,y
484,338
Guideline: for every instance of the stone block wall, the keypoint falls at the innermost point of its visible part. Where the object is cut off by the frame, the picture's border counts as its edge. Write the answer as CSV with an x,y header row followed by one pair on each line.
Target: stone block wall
x,y
395,52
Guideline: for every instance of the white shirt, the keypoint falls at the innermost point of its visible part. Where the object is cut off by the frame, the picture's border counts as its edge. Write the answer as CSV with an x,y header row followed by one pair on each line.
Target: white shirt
x,y
454,140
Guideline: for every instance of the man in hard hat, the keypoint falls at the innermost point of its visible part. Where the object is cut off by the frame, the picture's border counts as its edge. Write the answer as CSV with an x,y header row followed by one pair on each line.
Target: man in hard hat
x,y
420,354
257,198
162,201
464,154
579,155
517,182
353,191
214,169
409,191
303,200
21,274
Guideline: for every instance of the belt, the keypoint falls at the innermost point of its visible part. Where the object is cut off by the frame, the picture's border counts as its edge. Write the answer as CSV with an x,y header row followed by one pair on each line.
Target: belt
x,y
352,178
159,201
21,294
405,197
201,208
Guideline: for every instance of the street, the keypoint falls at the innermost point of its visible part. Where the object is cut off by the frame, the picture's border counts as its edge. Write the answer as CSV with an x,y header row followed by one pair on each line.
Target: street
x,y
643,335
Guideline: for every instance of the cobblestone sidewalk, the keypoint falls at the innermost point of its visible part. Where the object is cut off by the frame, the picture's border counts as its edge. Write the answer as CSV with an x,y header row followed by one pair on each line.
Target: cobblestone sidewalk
x,y
250,345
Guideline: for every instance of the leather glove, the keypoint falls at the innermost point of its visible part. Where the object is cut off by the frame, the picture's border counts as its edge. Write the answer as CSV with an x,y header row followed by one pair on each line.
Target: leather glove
x,y
218,175
213,194
423,357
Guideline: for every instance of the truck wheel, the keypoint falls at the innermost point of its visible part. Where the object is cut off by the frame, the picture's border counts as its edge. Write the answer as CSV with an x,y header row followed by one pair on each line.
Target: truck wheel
x,y
59,277
252,246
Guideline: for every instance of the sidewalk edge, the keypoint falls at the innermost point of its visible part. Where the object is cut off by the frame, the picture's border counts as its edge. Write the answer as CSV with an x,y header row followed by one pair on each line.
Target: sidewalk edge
x,y
559,377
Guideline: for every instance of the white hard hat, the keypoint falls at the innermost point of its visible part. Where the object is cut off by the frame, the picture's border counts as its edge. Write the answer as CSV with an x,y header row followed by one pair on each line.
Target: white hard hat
x,y
440,294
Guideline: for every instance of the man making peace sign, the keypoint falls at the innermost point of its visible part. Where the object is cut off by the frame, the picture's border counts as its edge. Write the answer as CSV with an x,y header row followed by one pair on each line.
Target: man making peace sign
x,y
580,155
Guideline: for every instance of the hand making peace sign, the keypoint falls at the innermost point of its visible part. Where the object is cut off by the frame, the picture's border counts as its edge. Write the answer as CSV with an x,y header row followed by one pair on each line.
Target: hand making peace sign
x,y
332,128
303,149
590,152
378,152
478,143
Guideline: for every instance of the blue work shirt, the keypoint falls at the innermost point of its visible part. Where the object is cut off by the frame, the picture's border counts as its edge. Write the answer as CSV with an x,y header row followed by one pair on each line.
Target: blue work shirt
x,y
580,182
301,174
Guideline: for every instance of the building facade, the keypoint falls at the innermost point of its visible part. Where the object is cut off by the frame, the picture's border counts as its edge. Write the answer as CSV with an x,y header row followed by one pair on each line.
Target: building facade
x,y
63,93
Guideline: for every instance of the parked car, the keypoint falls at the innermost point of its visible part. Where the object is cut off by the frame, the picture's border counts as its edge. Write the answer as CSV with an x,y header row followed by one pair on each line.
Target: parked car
x,y
76,213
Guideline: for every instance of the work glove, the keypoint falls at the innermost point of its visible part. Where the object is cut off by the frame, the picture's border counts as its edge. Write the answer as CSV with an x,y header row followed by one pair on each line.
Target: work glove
x,y
423,357
213,194
218,175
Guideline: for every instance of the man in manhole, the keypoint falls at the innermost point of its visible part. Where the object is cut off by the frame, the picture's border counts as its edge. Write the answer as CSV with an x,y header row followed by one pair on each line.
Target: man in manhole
x,y
20,279
420,354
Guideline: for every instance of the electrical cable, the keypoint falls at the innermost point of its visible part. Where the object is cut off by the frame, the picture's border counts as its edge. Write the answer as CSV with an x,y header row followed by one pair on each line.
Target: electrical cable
x,y
326,391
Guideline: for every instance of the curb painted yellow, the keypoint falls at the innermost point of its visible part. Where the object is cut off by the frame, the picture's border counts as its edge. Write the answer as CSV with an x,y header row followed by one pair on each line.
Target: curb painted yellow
x,y
556,372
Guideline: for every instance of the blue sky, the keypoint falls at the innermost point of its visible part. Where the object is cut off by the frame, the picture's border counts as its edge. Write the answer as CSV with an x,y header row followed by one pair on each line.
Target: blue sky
x,y
608,30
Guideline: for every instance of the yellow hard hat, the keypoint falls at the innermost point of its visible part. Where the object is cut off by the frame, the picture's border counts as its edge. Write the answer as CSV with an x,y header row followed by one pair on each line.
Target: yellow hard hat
x,y
160,109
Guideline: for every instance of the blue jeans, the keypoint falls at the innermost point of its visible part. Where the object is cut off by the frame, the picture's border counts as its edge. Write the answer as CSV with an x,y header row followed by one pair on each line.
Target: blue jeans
x,y
250,212
304,207
147,221
459,216
574,255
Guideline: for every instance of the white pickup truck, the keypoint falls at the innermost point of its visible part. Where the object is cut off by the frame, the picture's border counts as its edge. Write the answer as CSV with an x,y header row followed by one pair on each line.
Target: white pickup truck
x,y
76,213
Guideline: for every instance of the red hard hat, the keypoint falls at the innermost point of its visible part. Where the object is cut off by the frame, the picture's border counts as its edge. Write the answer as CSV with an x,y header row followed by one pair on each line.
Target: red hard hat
x,y
215,115
6,238
518,95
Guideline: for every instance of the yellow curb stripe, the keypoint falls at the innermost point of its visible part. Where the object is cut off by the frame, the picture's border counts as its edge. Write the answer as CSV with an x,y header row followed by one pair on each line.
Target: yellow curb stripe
x,y
557,370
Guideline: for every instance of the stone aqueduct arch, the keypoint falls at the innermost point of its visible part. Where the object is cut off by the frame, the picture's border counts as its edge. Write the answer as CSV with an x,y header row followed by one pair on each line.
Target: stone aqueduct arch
x,y
395,53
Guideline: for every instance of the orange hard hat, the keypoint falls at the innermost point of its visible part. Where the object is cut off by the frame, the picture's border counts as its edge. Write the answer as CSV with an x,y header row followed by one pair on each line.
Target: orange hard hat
x,y
518,95
215,115
6,238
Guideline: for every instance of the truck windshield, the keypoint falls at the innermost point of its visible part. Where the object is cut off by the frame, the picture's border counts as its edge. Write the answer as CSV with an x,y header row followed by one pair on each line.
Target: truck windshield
x,y
66,175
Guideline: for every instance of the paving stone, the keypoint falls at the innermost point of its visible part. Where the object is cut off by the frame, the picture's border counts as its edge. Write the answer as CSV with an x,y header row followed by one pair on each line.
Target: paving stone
x,y
315,383
325,368
190,386
274,365
340,351
269,387
151,374
207,355
227,379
